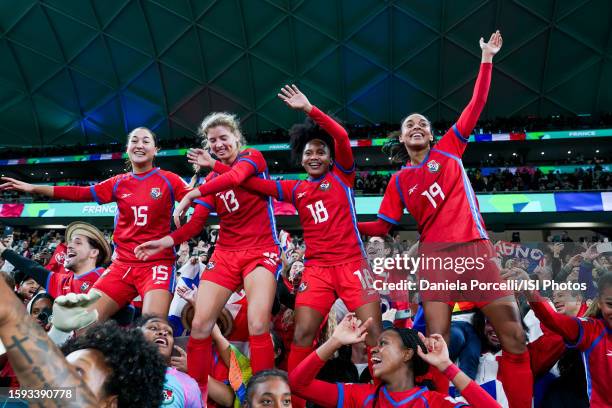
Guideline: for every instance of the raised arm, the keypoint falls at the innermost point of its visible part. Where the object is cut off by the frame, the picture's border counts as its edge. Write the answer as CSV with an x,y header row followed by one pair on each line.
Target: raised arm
x,y
566,326
302,378
472,111
295,99
37,362
26,266
437,356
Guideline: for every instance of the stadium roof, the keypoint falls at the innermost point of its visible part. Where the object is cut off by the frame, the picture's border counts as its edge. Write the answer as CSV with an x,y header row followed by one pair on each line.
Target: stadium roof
x,y
87,71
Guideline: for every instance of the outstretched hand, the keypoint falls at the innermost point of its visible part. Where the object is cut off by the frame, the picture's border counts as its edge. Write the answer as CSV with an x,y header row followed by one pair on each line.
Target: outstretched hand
x,y
17,185
294,98
351,330
71,311
200,157
437,351
492,47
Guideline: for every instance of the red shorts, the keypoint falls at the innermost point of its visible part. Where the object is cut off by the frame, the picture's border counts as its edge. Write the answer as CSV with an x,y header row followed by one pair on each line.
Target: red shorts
x,y
122,282
322,285
460,272
229,268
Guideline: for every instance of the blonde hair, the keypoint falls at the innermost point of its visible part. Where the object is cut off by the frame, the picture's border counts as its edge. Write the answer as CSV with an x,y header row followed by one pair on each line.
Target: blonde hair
x,y
225,119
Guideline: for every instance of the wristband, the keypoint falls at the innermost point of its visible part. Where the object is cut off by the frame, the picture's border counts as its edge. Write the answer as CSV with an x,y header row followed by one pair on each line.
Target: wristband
x,y
451,371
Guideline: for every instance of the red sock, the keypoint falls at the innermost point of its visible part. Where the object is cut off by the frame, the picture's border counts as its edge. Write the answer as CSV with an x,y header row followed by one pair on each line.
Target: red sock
x,y
515,374
439,380
262,352
296,355
199,359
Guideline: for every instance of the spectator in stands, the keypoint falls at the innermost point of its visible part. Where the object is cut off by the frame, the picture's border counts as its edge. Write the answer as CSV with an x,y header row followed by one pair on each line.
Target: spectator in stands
x,y
107,367
40,308
269,388
87,251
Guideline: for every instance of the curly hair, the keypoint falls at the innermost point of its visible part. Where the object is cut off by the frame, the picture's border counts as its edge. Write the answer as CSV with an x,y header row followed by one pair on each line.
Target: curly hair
x,y
138,370
302,133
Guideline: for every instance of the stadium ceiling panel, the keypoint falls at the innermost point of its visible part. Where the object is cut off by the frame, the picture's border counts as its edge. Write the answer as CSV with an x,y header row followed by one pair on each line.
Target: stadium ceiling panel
x,y
87,71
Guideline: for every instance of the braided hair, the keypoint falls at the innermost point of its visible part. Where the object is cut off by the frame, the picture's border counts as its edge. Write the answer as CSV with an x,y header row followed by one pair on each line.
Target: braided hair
x,y
302,133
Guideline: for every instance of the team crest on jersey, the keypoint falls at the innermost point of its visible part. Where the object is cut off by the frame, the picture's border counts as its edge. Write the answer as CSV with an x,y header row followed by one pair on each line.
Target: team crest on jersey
x,y
168,397
210,265
156,192
325,185
433,166
303,286
84,287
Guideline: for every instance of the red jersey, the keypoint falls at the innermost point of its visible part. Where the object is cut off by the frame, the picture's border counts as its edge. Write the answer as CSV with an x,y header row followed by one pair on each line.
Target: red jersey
x,y
326,205
246,219
63,283
56,263
437,192
145,203
595,345
363,395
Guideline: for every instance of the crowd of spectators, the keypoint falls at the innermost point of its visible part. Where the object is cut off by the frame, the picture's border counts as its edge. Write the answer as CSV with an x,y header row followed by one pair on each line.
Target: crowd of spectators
x,y
497,125
562,260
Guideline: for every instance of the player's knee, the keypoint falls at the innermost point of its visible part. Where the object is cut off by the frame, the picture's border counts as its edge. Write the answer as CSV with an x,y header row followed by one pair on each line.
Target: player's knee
x,y
258,326
303,336
513,339
201,328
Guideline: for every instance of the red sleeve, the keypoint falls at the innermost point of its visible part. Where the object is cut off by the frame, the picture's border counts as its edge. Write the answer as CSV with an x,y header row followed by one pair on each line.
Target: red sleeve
x,y
545,351
303,383
392,205
101,193
279,189
567,327
342,145
196,223
456,138
378,228
477,397
221,167
73,193
249,162
179,186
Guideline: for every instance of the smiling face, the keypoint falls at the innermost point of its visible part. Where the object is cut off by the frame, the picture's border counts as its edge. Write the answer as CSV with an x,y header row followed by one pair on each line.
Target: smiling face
x,y
80,252
416,132
159,332
491,337
566,303
223,143
316,158
141,148
390,355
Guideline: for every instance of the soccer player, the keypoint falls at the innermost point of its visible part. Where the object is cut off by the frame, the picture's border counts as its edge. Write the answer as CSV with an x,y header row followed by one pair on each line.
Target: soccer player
x,y
145,200
336,264
591,335
87,251
246,252
400,356
434,188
